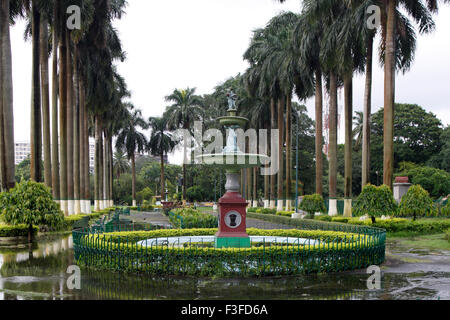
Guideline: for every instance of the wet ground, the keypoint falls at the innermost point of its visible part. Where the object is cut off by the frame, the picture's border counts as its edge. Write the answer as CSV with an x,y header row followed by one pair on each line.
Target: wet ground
x,y
40,272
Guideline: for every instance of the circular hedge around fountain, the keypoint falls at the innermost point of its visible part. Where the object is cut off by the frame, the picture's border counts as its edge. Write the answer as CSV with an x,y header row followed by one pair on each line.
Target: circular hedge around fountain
x,y
332,247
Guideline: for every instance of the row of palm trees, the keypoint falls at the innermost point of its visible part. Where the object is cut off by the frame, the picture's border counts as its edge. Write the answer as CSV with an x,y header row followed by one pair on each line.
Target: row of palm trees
x,y
327,43
87,93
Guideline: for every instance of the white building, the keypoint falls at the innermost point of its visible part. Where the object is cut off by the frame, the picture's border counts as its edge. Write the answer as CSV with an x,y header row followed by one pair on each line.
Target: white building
x,y
23,150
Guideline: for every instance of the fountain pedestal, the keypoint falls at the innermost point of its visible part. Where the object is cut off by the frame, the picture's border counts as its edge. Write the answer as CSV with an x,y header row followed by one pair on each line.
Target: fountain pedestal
x,y
232,222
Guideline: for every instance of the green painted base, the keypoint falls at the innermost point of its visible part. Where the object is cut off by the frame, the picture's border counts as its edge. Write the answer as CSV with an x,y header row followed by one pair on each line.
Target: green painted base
x,y
232,242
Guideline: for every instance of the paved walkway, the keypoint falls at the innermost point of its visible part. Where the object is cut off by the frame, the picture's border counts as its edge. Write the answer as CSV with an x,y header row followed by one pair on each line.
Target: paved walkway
x,y
158,218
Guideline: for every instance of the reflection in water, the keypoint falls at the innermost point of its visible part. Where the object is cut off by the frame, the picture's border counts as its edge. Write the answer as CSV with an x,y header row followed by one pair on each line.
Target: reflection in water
x,y
40,273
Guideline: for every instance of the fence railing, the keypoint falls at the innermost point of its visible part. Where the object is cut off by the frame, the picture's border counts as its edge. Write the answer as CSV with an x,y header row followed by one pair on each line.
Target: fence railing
x,y
347,248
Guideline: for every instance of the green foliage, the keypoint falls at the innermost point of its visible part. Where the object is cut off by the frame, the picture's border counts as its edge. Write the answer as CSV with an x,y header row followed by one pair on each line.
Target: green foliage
x,y
145,194
416,203
417,135
435,181
146,206
252,209
195,193
30,203
375,202
20,230
266,210
447,234
312,204
285,213
191,218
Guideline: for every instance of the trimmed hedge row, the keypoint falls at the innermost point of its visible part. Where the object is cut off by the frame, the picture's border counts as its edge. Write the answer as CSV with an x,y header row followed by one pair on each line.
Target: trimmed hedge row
x,y
105,251
134,236
424,226
20,230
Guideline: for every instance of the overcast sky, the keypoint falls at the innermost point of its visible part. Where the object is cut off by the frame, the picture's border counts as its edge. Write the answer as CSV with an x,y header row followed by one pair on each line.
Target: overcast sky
x,y
177,43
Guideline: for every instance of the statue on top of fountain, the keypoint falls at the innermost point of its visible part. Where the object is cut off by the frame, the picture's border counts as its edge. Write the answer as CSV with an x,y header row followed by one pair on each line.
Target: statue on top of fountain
x,y
232,97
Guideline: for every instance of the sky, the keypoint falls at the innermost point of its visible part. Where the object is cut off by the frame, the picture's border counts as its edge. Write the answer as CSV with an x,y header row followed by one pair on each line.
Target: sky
x,y
177,44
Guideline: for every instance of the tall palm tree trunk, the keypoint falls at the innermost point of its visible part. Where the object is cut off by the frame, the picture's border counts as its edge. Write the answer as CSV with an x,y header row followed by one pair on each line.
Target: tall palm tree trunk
x,y
36,130
133,178
272,149
367,114
63,120
6,102
255,187
111,169
43,46
87,156
69,115
281,106
163,185
267,181
332,153
81,140
55,140
389,94
288,152
348,92
98,169
319,133
76,135
106,171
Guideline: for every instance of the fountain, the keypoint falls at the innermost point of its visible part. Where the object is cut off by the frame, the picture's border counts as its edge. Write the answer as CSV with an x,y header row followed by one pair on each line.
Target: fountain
x,y
232,206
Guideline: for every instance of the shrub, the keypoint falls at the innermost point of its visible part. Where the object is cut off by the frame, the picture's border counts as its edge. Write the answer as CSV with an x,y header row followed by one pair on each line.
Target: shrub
x,y
252,209
312,204
416,203
285,213
146,206
30,203
20,230
324,218
145,194
375,202
191,218
447,234
266,211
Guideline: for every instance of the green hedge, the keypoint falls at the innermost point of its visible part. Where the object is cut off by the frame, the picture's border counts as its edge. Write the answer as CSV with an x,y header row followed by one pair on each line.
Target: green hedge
x,y
134,236
106,251
422,226
285,213
15,231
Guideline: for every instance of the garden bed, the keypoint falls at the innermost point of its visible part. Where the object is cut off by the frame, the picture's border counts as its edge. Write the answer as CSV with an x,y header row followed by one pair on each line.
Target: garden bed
x,y
331,248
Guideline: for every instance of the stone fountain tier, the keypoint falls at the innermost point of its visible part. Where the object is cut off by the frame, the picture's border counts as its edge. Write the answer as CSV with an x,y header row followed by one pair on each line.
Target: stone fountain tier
x,y
232,213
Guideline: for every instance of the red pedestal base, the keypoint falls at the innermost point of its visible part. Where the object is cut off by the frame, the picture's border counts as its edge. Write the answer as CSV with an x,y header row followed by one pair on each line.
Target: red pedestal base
x,y
232,218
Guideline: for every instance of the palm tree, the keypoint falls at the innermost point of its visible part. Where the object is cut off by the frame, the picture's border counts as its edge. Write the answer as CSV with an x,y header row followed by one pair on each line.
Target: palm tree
x,y
160,144
55,141
121,164
420,11
358,127
44,51
186,108
6,102
36,131
131,141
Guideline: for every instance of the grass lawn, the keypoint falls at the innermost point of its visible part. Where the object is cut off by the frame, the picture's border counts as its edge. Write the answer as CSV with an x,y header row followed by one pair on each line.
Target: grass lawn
x,y
434,241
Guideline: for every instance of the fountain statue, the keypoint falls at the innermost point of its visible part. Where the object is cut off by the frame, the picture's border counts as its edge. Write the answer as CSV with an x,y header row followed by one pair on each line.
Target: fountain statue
x,y
232,206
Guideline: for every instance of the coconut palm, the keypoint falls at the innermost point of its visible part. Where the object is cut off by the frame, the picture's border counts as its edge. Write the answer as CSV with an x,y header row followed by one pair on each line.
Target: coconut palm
x,y
186,108
6,102
420,11
121,164
131,141
358,127
160,144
